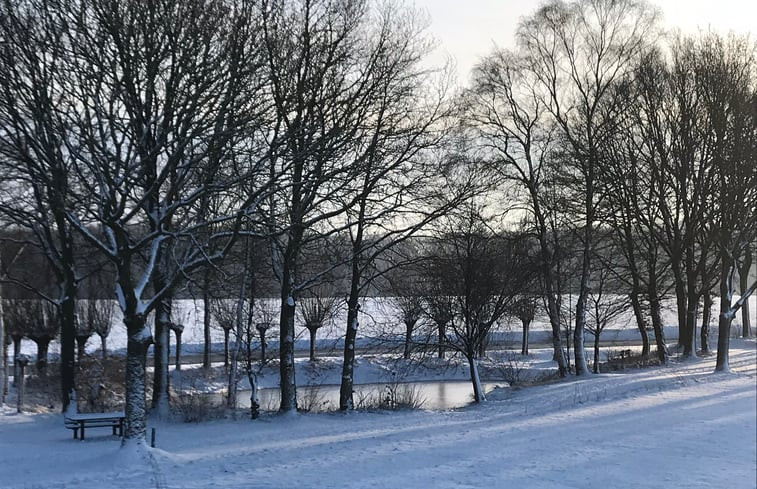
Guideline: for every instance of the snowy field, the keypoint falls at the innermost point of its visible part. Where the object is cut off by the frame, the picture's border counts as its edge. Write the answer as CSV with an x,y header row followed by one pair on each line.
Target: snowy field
x,y
676,426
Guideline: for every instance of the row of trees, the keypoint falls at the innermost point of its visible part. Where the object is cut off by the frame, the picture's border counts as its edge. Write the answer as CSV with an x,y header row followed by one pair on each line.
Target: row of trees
x,y
179,139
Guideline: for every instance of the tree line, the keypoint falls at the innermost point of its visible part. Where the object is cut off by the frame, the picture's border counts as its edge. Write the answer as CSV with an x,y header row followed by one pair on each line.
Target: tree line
x,y
309,141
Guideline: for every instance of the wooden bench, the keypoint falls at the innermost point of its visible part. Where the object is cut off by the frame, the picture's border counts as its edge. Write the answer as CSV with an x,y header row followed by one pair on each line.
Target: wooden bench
x,y
79,421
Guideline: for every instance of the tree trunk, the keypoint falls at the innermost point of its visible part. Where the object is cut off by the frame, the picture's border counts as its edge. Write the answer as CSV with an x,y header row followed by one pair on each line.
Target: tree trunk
x,y
137,344
286,343
408,339
313,331
746,265
680,290
346,402
226,333
692,303
442,329
178,349
725,318
553,309
3,360
67,316
263,347
207,341
596,350
104,346
81,346
524,343
654,310
706,313
578,332
42,348
161,348
640,323
478,391
16,352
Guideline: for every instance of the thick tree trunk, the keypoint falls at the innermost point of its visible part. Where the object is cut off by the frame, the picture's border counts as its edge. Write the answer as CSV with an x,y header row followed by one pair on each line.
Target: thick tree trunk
x,y
478,390
104,346
442,333
578,332
313,332
725,318
346,401
43,345
286,349
706,314
67,315
640,323
138,341
524,342
161,348
207,341
746,265
655,312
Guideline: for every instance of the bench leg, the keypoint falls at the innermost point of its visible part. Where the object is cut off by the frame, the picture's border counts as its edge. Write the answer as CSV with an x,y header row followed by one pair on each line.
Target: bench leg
x,y
76,433
81,426
114,429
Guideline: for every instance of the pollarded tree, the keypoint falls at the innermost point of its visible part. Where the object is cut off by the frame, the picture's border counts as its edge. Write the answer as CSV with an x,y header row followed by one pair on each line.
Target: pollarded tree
x,y
319,307
99,314
524,308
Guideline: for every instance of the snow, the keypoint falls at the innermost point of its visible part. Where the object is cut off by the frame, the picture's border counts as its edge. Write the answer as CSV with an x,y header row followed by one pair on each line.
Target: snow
x,y
677,426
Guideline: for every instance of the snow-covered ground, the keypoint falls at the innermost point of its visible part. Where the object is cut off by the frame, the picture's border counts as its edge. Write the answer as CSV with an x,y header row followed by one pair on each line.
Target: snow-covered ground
x,y
676,426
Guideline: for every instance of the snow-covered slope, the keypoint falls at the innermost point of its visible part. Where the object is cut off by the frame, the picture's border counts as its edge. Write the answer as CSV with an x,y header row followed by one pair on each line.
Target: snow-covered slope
x,y
677,426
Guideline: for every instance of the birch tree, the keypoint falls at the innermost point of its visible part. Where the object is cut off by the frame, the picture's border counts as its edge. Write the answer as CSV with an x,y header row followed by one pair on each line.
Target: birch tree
x,y
577,51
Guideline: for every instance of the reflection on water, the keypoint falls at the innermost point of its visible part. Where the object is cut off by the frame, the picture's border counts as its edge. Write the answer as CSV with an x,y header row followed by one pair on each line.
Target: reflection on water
x,y
438,396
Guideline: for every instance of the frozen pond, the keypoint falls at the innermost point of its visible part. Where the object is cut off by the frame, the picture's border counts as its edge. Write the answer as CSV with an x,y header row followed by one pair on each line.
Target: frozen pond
x,y
432,395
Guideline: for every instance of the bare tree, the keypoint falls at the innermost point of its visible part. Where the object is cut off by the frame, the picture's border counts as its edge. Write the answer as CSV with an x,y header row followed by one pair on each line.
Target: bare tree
x,y
577,52
317,309
36,165
176,120
99,314
524,308
484,272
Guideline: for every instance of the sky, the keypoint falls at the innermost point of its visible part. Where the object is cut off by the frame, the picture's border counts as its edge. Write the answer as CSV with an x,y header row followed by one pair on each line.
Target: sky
x,y
468,29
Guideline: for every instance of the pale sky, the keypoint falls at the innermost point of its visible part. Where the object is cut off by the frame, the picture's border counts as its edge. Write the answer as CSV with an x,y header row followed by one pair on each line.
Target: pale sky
x,y
468,29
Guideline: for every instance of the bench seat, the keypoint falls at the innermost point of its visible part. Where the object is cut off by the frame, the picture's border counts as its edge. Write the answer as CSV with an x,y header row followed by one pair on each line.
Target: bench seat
x,y
79,421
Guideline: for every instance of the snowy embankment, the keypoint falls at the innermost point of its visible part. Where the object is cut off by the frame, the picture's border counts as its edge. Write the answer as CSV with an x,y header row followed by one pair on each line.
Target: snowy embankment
x,y
676,426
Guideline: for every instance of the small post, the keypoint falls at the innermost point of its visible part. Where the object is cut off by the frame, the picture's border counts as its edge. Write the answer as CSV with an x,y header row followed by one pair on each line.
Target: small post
x,y
22,361
152,438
